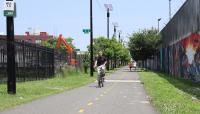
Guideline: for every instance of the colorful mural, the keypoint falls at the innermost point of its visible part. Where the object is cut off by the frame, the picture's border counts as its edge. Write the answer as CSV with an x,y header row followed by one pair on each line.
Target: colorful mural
x,y
191,57
183,58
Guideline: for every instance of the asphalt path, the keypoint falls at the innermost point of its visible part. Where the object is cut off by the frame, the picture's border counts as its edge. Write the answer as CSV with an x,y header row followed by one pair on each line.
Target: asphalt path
x,y
123,93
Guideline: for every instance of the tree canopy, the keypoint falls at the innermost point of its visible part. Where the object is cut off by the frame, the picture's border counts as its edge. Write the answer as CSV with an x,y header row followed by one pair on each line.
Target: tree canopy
x,y
111,48
144,44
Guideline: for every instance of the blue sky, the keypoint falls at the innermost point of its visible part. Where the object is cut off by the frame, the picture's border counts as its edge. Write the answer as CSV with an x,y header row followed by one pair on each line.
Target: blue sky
x,y
69,17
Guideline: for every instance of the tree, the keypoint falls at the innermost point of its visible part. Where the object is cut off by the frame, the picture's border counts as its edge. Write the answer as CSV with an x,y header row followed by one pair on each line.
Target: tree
x,y
111,48
86,61
144,44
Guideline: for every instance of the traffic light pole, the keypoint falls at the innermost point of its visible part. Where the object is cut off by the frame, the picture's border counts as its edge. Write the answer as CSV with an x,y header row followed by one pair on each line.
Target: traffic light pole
x,y
11,73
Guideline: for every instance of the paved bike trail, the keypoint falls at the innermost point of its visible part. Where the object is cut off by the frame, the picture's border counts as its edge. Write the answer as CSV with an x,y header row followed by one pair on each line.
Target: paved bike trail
x,y
123,94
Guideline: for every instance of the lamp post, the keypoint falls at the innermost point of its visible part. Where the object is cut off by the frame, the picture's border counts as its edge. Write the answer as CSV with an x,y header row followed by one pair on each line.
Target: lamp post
x,y
108,8
159,24
120,32
170,9
115,25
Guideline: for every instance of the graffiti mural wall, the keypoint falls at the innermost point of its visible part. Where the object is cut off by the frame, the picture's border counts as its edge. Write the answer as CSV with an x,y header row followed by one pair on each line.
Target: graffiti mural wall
x,y
184,58
180,52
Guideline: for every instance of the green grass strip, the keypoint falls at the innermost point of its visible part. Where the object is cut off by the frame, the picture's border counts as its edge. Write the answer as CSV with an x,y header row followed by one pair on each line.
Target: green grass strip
x,y
28,91
171,95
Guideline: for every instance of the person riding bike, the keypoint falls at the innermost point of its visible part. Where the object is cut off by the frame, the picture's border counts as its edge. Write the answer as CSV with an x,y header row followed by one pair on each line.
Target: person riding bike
x,y
100,63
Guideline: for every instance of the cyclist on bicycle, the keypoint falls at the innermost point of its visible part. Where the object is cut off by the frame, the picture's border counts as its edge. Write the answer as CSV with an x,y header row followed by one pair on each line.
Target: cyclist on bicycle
x,y
100,62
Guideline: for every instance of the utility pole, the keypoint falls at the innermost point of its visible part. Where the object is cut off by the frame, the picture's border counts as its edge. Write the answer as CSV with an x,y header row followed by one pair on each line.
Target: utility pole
x,y
9,12
91,41
169,10
108,8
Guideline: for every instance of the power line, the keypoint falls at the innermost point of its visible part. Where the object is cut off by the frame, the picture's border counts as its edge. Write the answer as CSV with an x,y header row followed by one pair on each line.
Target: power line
x,y
99,4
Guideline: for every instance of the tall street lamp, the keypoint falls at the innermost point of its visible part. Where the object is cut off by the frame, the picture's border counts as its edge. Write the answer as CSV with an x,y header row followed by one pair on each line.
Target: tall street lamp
x,y
170,9
120,32
115,29
108,8
159,24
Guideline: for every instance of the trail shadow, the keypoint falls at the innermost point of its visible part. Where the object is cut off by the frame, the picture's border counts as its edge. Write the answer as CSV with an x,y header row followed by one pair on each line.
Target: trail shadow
x,y
187,86
93,86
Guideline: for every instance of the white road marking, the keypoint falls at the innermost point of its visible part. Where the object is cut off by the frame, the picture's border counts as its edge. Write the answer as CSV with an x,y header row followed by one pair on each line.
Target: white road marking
x,y
144,102
89,104
125,96
124,81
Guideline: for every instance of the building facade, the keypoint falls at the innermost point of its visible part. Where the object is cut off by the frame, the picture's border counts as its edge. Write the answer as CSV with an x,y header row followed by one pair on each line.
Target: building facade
x,y
35,39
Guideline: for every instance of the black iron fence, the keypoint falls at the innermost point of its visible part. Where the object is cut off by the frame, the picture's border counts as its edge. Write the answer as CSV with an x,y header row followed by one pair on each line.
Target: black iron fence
x,y
3,60
33,62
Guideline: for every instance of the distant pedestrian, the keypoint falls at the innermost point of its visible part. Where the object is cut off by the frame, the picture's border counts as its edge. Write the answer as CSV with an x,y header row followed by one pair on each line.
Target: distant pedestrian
x,y
134,65
130,64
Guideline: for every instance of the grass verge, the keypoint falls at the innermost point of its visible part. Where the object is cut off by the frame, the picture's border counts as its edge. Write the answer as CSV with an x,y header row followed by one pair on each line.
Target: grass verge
x,y
171,95
28,91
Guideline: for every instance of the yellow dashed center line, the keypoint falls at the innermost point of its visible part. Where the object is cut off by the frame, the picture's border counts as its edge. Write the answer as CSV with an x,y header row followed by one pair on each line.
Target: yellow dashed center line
x,y
81,110
105,92
89,104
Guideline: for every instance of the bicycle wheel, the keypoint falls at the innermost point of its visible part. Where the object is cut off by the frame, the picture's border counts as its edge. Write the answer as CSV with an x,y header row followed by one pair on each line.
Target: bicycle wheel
x,y
99,83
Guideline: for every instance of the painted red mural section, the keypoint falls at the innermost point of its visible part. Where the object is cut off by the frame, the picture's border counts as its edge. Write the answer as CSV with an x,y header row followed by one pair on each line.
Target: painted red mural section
x,y
184,58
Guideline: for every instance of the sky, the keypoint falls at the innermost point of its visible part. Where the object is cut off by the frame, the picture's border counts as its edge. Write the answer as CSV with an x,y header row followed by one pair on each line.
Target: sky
x,y
70,17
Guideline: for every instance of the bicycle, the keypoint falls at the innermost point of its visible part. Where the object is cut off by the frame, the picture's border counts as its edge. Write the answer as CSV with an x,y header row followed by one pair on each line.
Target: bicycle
x,y
101,74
